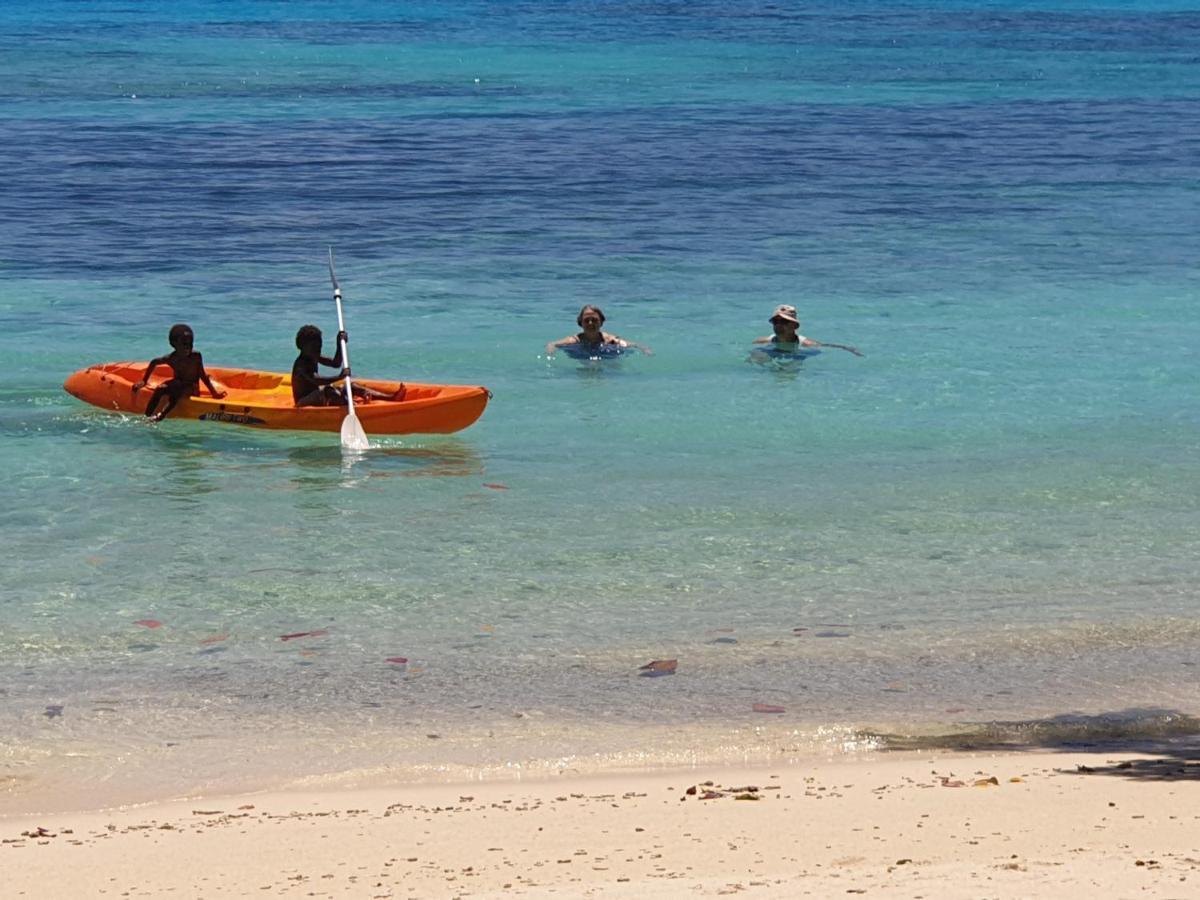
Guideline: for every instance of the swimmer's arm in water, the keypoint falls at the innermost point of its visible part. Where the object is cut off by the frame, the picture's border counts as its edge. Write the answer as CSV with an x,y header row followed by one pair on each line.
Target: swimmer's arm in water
x,y
809,342
563,342
624,344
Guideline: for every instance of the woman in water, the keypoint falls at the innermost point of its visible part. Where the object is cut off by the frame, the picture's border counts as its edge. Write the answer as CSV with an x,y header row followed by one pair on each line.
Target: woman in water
x,y
590,319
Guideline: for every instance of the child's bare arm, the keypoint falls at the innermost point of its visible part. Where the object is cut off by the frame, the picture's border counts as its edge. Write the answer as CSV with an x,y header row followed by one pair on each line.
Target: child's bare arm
x,y
208,382
325,381
336,362
150,367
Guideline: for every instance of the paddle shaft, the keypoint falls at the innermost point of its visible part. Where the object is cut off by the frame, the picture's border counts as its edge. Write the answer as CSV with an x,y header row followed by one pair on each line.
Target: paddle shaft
x,y
337,298
353,435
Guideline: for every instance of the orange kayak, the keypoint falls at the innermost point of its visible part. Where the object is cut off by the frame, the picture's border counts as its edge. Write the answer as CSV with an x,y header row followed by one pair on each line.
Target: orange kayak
x,y
264,400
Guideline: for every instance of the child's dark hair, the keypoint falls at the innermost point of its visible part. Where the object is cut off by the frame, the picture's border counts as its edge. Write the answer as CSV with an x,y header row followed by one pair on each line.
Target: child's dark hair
x,y
179,333
597,310
306,335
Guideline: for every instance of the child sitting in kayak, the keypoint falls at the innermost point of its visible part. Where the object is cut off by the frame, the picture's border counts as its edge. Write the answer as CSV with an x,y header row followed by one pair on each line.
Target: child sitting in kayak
x,y
786,326
590,319
187,369
312,389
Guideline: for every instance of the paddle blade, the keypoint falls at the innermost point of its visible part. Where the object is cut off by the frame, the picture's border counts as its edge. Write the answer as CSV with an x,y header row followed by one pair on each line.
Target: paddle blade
x,y
353,436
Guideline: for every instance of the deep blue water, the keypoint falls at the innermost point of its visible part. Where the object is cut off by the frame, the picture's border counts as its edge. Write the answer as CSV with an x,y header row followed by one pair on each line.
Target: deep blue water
x,y
990,517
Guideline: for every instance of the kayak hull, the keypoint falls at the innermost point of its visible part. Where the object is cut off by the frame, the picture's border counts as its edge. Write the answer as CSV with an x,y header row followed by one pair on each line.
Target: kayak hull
x,y
264,400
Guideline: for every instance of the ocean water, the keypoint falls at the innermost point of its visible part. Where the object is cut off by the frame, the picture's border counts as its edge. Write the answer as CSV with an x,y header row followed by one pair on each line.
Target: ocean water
x,y
986,528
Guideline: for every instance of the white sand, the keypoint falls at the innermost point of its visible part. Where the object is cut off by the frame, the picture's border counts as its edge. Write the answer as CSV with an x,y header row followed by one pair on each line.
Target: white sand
x,y
888,826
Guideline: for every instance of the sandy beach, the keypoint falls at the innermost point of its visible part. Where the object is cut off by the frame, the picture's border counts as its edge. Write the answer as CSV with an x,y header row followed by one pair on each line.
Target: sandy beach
x,y
1011,824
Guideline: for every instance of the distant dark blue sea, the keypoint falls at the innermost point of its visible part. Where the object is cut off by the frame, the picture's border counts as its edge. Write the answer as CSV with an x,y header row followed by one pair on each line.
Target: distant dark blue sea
x,y
987,524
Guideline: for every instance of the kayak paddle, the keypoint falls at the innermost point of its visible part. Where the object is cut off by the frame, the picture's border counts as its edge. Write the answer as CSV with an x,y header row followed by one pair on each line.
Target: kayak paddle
x,y
353,435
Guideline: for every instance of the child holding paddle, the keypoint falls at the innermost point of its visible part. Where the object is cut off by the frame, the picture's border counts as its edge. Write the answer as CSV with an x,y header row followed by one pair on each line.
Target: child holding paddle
x,y
309,388
187,368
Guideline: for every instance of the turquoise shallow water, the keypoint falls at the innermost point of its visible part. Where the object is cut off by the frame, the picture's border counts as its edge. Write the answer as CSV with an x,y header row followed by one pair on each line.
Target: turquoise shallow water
x,y
986,522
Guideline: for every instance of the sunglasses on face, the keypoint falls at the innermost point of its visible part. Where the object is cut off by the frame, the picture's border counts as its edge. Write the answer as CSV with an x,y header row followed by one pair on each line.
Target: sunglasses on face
x,y
591,320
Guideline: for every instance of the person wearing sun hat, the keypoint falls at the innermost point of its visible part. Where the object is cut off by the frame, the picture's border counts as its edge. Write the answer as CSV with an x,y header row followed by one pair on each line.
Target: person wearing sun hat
x,y
787,336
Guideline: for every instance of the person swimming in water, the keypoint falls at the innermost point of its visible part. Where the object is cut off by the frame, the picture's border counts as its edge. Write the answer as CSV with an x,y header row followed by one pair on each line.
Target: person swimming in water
x,y
590,319
787,336
187,374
